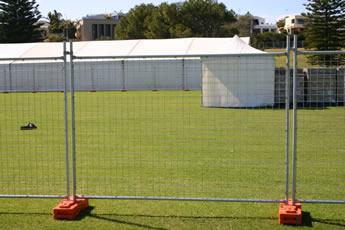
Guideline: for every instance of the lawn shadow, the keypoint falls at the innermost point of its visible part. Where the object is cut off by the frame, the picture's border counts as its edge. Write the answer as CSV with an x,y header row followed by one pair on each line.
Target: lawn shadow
x,y
87,213
333,222
307,220
119,218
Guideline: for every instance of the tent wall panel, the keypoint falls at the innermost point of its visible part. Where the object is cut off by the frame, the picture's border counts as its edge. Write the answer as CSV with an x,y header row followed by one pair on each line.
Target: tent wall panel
x,y
22,78
154,74
139,75
48,77
83,77
238,81
192,74
106,75
170,74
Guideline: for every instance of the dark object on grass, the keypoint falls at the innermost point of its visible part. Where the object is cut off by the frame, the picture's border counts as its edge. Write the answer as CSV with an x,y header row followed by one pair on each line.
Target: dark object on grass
x,y
29,126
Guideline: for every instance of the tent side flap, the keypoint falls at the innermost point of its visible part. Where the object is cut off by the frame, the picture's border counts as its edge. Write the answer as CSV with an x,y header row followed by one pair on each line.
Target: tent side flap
x,y
242,81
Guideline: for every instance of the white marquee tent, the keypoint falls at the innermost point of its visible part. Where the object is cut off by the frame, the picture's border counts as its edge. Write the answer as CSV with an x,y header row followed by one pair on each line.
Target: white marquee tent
x,y
187,63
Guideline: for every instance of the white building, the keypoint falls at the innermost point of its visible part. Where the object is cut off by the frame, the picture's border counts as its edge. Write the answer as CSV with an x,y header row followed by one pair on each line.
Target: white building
x,y
294,23
98,27
259,25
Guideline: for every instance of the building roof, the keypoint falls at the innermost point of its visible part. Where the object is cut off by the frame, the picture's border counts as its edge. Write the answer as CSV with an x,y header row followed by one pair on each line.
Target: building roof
x,y
113,15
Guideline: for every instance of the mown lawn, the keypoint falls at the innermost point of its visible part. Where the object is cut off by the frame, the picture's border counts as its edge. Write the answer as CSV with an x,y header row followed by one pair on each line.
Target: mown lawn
x,y
303,61
166,144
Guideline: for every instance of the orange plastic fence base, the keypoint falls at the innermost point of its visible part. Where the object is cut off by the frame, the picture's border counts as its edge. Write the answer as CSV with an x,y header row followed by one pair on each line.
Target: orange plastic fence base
x,y
290,214
69,209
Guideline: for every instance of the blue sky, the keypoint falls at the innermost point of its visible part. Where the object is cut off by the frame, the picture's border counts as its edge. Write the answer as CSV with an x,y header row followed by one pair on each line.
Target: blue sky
x,y
74,9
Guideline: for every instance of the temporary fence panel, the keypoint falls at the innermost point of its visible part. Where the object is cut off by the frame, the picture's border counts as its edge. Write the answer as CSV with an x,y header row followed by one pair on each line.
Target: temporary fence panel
x,y
166,145
32,157
208,127
321,128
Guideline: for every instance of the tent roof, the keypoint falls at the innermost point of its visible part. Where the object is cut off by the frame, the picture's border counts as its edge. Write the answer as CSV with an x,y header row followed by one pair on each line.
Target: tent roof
x,y
128,48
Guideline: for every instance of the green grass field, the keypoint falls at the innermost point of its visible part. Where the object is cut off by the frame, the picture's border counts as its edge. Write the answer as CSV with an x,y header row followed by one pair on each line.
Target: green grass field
x,y
166,144
281,60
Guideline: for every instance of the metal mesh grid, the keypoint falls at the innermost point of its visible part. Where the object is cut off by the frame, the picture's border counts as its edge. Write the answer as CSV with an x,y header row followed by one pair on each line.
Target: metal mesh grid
x,y
175,128
321,128
32,161
165,143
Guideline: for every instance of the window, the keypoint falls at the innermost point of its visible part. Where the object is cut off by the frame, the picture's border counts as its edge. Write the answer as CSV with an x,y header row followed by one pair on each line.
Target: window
x,y
292,21
94,32
256,31
300,21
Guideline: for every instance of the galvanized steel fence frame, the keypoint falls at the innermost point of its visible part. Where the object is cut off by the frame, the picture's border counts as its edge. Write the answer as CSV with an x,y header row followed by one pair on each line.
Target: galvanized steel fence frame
x,y
71,159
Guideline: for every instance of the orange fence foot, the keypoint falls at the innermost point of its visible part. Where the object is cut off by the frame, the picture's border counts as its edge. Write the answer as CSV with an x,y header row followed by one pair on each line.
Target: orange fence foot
x,y
69,209
290,214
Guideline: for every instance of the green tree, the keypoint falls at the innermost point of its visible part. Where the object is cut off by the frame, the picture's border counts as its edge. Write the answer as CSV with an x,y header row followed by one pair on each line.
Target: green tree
x,y
244,25
121,29
133,25
325,29
69,29
55,21
1,28
174,20
268,40
326,18
281,25
59,28
180,31
156,25
20,21
205,17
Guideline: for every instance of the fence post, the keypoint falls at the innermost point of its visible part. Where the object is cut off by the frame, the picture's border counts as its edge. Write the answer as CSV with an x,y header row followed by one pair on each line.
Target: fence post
x,y
93,88
123,76
65,53
74,175
287,116
5,81
10,76
155,88
34,87
183,75
290,212
70,207
294,140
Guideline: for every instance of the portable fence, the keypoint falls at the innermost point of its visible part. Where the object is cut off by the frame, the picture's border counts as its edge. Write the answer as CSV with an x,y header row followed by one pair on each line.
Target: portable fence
x,y
174,145
321,127
233,138
33,129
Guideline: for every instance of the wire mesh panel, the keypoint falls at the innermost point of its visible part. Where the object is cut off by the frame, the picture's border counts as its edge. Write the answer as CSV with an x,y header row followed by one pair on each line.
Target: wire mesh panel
x,y
32,147
171,143
321,127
